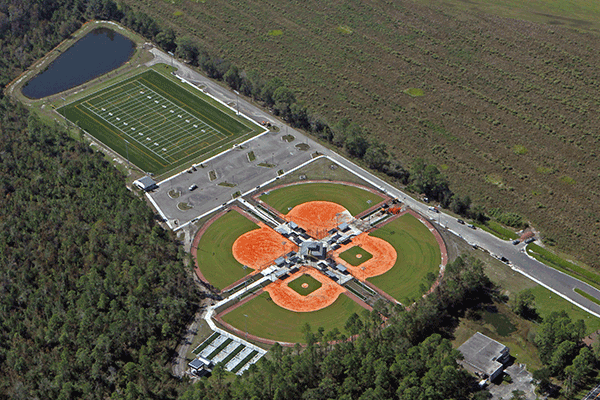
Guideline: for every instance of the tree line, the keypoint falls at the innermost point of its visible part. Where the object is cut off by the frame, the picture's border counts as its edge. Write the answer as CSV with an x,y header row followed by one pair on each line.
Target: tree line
x,y
407,357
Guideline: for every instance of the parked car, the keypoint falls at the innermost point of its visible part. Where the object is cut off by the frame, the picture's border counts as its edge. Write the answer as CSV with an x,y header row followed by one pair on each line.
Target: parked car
x,y
460,221
471,226
434,209
516,241
193,187
531,239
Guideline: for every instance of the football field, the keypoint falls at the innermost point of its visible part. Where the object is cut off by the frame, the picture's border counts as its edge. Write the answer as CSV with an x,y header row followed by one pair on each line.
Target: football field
x,y
157,124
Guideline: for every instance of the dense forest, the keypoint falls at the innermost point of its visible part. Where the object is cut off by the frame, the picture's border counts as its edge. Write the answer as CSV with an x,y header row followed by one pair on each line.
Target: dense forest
x,y
94,293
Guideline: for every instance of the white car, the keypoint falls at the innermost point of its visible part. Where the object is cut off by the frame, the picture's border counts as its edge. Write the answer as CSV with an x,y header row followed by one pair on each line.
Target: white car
x,y
193,187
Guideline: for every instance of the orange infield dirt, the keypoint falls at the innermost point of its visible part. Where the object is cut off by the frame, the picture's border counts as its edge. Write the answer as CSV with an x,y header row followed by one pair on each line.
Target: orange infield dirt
x,y
384,256
258,248
288,298
317,217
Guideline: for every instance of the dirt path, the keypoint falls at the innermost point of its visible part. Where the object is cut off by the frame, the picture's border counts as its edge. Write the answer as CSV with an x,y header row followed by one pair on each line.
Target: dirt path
x,y
179,363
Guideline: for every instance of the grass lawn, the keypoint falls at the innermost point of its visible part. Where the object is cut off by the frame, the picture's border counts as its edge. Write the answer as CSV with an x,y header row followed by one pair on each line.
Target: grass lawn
x,y
157,123
267,320
215,258
418,254
547,301
352,198
350,256
312,283
497,230
587,296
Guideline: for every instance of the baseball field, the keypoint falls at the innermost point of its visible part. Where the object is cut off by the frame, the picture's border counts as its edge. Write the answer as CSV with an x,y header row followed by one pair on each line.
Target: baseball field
x,y
418,254
267,320
215,257
354,199
396,258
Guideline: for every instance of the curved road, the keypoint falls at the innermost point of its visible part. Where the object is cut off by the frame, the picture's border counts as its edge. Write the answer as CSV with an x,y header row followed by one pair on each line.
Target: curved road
x,y
556,281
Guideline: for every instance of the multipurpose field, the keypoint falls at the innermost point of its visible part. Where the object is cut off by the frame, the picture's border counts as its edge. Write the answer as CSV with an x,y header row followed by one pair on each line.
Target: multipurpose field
x,y
156,123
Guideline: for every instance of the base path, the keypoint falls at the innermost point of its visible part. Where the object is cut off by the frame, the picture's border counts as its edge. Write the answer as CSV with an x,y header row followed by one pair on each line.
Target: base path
x,y
318,217
260,247
384,256
286,297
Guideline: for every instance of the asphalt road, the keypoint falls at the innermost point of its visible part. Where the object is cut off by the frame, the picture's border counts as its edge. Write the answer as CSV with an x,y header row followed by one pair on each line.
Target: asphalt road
x,y
233,166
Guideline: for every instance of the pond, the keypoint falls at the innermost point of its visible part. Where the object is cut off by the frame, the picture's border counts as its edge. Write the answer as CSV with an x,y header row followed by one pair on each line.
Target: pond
x,y
500,321
97,53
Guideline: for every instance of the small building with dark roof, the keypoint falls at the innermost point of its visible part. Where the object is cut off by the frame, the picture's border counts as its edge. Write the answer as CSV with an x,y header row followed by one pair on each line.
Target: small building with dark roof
x,y
145,183
200,366
313,249
484,356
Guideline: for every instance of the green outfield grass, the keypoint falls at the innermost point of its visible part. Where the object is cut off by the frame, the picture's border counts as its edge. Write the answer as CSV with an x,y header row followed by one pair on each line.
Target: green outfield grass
x,y
157,123
215,257
313,284
352,198
418,254
267,320
350,256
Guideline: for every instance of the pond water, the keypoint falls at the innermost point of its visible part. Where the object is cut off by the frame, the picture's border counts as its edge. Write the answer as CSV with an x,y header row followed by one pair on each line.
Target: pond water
x,y
97,53
500,321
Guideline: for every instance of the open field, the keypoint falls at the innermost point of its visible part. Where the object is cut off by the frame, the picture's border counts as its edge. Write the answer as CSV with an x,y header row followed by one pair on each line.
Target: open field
x,y
297,284
578,14
267,320
418,255
215,258
350,256
352,198
155,123
490,86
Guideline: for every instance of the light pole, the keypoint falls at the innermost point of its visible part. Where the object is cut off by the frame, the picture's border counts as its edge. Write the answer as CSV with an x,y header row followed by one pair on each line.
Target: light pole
x,y
237,101
127,150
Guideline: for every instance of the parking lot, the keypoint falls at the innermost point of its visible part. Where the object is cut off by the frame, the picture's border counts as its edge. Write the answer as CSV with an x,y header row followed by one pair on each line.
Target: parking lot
x,y
217,180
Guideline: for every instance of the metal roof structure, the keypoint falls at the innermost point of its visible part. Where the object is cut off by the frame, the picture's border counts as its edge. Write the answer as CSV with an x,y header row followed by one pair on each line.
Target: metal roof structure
x,y
484,355
145,183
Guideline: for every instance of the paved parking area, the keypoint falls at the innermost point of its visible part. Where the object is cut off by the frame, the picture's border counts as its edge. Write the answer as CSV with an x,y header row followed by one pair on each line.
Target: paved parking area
x,y
521,380
232,167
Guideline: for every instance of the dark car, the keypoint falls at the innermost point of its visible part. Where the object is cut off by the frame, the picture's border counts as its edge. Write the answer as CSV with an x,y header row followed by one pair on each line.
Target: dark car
x,y
460,221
